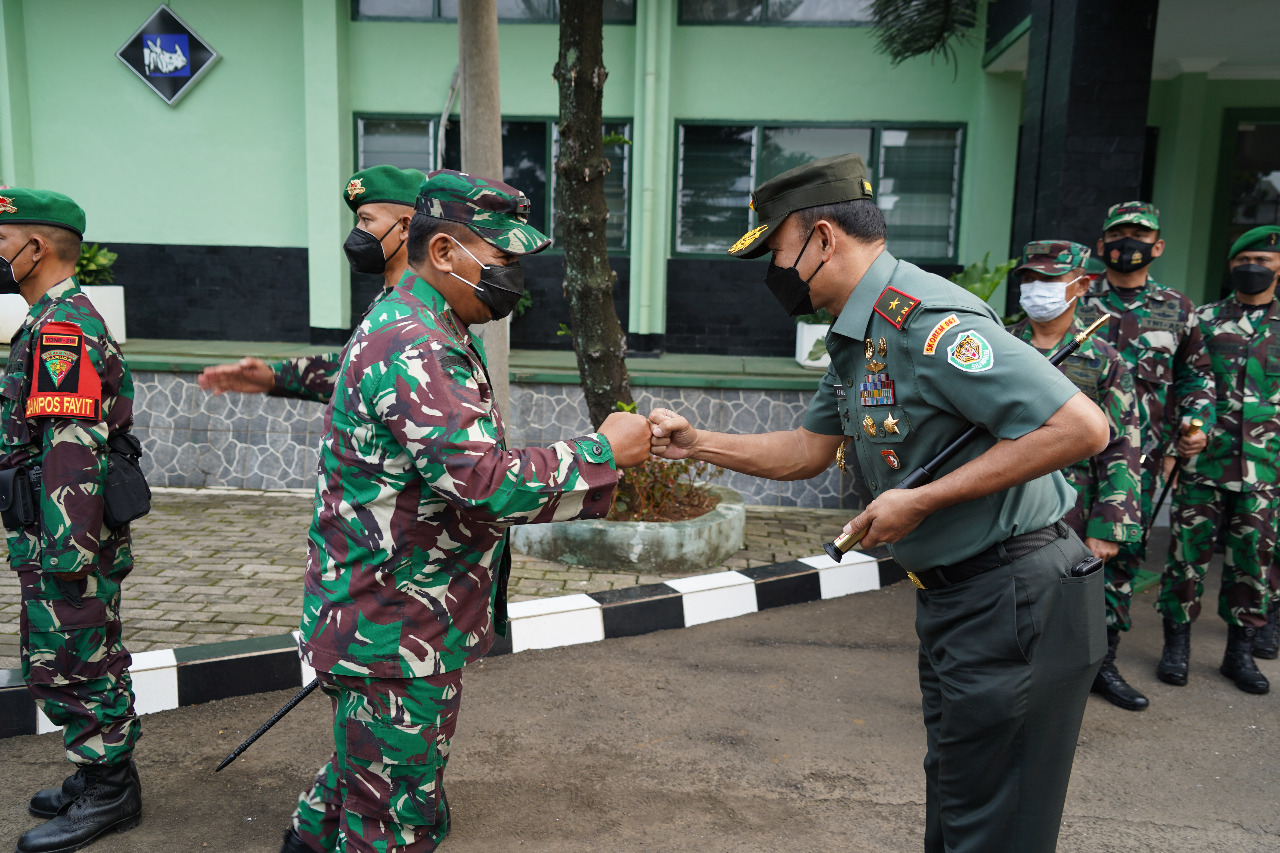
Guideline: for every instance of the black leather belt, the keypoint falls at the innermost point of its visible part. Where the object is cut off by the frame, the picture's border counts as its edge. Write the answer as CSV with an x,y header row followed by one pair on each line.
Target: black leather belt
x,y
999,554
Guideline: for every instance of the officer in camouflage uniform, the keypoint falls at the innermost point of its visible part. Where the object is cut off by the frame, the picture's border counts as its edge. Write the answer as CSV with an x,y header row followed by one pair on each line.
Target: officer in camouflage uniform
x,y
382,199
1233,482
65,391
408,557
1010,620
1155,330
1107,511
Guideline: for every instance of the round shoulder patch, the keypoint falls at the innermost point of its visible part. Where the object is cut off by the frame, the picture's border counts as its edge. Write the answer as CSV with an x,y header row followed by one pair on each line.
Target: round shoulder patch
x,y
971,353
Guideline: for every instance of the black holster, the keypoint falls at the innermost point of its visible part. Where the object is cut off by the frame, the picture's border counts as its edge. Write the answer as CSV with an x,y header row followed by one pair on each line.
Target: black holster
x,y
18,506
126,495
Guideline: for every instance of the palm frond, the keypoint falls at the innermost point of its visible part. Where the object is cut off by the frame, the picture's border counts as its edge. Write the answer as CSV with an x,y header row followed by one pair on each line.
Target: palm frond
x,y
907,28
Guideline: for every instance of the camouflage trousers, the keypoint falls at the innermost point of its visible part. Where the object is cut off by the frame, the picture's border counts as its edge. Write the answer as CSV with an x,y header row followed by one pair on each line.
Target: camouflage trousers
x,y
1250,522
383,788
75,664
1120,570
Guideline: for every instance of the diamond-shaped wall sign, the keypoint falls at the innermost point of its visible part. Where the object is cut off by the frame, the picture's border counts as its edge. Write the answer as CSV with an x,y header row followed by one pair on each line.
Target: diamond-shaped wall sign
x,y
167,55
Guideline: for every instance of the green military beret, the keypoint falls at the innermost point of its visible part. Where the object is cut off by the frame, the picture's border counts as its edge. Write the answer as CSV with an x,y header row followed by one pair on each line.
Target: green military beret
x,y
40,207
827,181
1264,238
1132,213
382,185
1053,257
495,212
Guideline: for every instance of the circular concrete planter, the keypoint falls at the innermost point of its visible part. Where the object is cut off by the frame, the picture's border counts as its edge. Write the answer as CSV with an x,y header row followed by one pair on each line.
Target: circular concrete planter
x,y
652,547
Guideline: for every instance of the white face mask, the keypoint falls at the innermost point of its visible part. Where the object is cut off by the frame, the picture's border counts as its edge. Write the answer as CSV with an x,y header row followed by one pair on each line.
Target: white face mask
x,y
1045,300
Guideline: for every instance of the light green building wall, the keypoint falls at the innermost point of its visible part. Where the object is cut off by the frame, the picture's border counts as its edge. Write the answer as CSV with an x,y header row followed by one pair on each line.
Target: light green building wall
x,y
1190,111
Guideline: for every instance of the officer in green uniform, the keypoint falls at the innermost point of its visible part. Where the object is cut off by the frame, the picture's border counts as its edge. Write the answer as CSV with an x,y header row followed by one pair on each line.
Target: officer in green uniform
x,y
65,398
1108,508
1010,640
382,198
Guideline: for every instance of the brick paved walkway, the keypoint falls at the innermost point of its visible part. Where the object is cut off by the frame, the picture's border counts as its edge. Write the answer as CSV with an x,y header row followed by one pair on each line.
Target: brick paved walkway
x,y
216,564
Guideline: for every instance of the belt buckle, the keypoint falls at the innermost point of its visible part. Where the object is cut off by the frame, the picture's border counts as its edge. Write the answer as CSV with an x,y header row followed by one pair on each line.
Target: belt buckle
x,y
915,580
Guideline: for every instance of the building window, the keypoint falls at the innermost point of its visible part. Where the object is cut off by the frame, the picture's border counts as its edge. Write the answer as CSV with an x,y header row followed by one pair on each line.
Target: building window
x,y
776,12
509,11
916,172
528,152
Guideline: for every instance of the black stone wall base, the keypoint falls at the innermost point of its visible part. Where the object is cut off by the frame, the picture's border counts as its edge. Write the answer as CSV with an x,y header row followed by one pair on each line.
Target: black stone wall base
x,y
210,293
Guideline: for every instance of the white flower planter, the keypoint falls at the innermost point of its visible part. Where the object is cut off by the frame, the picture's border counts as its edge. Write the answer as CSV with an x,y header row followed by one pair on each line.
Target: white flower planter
x,y
807,334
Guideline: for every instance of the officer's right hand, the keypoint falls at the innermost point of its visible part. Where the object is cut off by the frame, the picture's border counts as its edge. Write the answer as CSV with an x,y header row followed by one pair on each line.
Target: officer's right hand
x,y
248,375
673,436
628,435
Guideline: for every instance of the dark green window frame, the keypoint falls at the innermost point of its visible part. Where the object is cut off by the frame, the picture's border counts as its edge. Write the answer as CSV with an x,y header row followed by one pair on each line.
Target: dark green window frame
x,y
876,166
445,12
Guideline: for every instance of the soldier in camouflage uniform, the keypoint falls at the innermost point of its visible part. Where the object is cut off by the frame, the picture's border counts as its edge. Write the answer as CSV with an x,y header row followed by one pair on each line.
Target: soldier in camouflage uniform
x,y
408,557
382,199
1155,330
65,391
1233,482
1108,510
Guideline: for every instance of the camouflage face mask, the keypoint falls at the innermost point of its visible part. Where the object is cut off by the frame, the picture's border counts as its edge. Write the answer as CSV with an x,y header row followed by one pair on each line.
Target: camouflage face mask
x,y
500,288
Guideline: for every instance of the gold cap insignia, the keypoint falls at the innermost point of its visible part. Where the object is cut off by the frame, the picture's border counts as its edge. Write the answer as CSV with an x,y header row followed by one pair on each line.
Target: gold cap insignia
x,y
866,187
747,239
6,205
355,188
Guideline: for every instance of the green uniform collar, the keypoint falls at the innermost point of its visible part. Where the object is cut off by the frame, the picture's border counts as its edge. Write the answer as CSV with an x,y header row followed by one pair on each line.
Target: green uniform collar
x,y
420,289
62,290
856,314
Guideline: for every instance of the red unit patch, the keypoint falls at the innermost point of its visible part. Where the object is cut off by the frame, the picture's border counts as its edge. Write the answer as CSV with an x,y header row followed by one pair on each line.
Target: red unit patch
x,y
64,383
895,306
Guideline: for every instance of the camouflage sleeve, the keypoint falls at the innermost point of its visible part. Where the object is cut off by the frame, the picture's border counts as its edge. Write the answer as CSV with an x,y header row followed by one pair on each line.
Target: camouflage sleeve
x,y
1116,514
73,469
429,399
1193,385
307,377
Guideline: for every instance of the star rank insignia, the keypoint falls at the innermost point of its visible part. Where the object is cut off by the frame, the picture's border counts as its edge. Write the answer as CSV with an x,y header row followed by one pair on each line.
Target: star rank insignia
x,y
890,425
355,188
6,205
895,306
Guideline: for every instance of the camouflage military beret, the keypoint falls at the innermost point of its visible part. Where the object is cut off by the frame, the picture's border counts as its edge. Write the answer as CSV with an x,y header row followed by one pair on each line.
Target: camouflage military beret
x,y
827,181
40,207
1052,257
382,185
1132,213
497,213
1264,238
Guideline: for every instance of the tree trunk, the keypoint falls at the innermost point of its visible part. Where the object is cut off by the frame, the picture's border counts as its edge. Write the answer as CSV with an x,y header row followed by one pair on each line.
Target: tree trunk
x,y
581,211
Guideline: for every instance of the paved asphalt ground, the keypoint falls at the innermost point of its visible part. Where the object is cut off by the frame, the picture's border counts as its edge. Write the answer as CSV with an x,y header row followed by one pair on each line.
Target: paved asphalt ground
x,y
794,729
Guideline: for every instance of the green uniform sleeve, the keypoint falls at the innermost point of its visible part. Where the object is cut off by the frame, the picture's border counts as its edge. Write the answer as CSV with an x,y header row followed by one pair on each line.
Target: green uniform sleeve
x,y
823,415
308,377
1116,513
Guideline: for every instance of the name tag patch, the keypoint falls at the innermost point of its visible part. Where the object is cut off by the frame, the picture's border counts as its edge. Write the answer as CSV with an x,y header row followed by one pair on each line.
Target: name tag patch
x,y
64,382
971,353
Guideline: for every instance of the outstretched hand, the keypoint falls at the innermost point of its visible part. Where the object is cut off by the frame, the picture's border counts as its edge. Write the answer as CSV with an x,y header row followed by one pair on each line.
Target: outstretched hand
x,y
673,436
248,375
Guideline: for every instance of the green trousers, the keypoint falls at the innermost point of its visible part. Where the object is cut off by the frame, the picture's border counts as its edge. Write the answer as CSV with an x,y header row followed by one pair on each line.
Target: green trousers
x,y
383,789
1006,662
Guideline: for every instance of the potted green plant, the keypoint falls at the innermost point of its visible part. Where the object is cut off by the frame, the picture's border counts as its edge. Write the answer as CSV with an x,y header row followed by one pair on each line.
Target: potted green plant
x,y
96,278
811,339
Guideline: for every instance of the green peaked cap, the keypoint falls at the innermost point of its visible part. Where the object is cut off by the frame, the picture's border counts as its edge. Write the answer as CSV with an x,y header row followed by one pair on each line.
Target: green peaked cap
x,y
495,212
20,206
1264,238
827,181
382,185
1052,257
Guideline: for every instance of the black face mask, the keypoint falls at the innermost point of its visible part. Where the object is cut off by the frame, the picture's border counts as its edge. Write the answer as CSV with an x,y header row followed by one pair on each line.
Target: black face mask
x,y
1250,279
1126,254
791,291
365,252
9,284
500,288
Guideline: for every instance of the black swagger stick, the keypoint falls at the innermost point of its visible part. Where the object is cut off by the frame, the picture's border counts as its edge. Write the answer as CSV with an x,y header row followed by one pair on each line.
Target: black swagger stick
x,y
926,472
288,706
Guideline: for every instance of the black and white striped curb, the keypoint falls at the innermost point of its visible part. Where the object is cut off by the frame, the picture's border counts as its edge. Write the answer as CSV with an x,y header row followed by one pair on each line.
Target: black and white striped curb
x,y
164,679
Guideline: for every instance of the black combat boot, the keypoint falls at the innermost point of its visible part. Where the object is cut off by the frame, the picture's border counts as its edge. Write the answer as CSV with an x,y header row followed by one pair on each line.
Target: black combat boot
x,y
46,803
111,801
1110,684
1176,657
294,844
1266,644
1237,663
